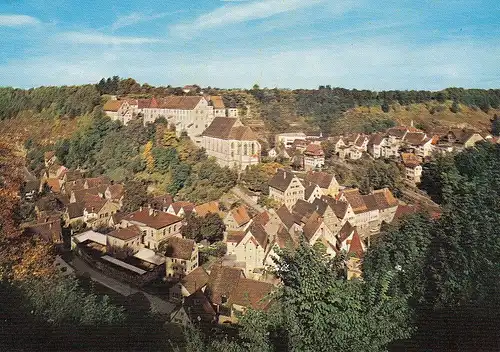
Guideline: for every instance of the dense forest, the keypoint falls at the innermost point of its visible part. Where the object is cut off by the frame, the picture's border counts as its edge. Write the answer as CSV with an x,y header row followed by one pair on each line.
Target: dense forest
x,y
318,108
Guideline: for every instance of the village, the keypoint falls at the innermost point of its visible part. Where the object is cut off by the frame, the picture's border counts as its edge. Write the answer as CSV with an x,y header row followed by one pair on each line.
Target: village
x,y
207,282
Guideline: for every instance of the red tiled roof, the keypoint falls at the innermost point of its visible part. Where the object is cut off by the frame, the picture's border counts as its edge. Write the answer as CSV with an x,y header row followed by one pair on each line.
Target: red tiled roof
x,y
281,180
125,234
180,248
179,102
385,199
229,128
235,236
112,105
217,102
156,220
53,183
312,225
355,199
251,294
206,208
221,282
320,178
195,280
345,231
314,150
240,215
356,247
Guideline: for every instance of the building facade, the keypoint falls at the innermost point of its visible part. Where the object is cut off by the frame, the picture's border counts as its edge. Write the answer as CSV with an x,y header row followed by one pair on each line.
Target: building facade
x,y
231,143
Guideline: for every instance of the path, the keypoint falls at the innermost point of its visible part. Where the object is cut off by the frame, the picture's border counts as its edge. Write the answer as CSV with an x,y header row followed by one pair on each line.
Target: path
x,y
238,192
157,304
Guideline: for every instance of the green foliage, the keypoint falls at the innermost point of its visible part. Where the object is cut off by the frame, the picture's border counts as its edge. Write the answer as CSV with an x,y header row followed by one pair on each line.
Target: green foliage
x,y
377,174
136,195
495,125
403,248
61,301
208,181
57,101
378,125
209,227
455,107
385,106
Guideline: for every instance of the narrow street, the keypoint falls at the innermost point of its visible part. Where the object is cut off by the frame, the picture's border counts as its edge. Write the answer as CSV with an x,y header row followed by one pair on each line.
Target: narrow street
x,y
157,304
238,192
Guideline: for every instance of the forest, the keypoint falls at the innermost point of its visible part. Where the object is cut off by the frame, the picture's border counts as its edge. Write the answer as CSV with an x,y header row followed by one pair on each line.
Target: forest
x,y
319,108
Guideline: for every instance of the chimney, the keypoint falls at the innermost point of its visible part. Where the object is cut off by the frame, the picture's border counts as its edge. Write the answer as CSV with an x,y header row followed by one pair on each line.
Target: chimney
x,y
140,208
223,299
151,212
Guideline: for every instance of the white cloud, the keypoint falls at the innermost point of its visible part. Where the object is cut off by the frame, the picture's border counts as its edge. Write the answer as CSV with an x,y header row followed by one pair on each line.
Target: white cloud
x,y
231,14
375,63
104,39
8,20
135,18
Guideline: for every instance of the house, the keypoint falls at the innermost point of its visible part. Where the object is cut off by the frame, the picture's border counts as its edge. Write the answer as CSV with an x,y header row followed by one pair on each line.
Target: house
x,y
124,239
316,230
231,143
207,208
162,202
195,281
288,220
196,309
374,146
49,158
155,225
220,109
334,212
111,108
413,167
78,195
97,211
49,230
181,208
249,294
115,193
231,293
287,139
312,191
222,281
327,182
314,157
387,204
181,257
190,114
95,182
251,247
286,188
237,218
338,142
53,184
359,207
73,213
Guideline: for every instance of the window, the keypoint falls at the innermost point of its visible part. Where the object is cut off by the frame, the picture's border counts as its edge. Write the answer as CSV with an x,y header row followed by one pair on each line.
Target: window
x,y
245,150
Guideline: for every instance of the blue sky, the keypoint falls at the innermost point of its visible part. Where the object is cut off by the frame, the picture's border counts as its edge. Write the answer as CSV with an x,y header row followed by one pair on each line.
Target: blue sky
x,y
364,44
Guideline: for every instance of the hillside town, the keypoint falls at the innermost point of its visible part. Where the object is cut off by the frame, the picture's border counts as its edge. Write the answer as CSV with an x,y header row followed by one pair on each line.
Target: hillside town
x,y
215,281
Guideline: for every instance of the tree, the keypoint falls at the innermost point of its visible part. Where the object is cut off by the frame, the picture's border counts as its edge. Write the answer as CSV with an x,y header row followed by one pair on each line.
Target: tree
x,y
495,125
136,195
380,174
209,227
147,154
455,107
385,106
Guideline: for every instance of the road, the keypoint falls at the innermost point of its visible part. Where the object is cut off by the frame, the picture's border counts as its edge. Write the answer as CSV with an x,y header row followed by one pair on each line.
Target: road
x,y
157,305
238,192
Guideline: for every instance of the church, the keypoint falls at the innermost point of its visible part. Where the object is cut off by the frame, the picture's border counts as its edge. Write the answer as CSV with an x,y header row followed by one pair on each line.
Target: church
x,y
231,143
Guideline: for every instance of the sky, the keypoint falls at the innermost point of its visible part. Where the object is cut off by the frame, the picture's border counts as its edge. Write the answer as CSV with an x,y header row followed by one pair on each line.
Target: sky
x,y
363,44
